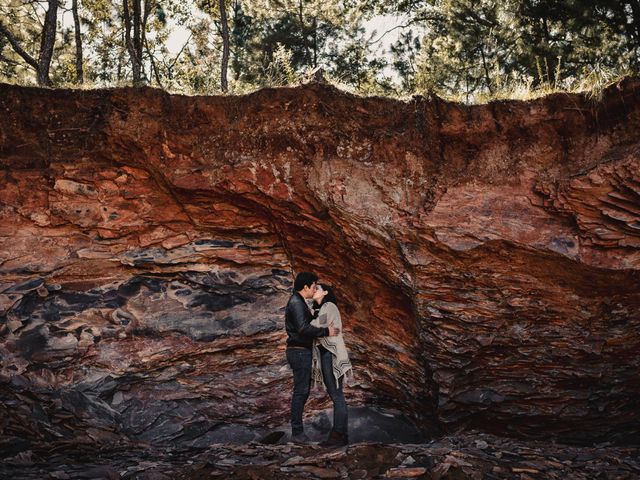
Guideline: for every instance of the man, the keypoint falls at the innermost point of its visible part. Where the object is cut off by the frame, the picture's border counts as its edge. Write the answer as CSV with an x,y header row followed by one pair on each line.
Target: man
x,y
300,334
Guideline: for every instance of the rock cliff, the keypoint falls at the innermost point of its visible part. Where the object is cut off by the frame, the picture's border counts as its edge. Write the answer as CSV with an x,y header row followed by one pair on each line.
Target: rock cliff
x,y
487,260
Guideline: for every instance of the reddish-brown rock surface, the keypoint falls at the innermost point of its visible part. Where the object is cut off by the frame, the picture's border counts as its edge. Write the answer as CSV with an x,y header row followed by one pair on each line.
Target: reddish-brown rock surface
x,y
487,259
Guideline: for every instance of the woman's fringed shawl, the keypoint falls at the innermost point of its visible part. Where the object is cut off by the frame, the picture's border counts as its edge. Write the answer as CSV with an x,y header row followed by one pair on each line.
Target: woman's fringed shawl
x,y
341,365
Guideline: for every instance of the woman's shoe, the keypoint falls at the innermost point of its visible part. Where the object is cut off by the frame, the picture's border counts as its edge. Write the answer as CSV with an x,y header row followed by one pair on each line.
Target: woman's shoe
x,y
335,439
300,438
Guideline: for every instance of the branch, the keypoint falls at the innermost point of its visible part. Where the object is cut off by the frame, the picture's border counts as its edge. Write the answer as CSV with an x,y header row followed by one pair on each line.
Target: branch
x,y
37,15
474,16
16,46
8,60
387,32
181,50
153,64
405,25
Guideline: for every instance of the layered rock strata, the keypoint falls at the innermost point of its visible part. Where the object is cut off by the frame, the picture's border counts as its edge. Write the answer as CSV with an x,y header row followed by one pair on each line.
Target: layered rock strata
x,y
487,260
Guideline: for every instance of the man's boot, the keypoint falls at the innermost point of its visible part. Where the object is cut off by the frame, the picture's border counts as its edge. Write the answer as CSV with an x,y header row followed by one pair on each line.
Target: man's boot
x,y
335,439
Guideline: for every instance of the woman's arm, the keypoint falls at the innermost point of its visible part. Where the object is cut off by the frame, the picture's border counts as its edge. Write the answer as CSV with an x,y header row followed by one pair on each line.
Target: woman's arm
x,y
333,315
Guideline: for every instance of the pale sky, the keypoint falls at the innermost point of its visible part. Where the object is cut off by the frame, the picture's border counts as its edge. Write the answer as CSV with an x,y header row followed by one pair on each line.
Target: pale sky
x,y
380,24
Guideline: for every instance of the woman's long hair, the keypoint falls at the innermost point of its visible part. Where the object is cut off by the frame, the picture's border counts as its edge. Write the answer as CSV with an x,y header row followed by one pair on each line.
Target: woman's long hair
x,y
329,297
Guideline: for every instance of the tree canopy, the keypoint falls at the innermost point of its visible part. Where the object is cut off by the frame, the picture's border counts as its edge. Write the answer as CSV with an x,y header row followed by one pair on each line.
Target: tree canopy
x,y
461,48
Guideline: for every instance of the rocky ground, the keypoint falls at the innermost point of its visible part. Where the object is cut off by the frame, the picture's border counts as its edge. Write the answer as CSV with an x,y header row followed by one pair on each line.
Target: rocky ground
x,y
464,456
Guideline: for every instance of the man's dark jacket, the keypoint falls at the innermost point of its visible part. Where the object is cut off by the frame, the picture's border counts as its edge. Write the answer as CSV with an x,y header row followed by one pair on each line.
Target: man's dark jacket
x,y
298,319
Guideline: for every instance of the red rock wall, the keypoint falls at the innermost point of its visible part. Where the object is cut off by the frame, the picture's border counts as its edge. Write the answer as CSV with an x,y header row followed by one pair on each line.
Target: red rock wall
x,y
487,259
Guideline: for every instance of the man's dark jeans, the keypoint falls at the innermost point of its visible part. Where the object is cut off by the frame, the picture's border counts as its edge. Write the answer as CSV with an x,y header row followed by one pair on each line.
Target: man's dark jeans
x,y
300,362
340,416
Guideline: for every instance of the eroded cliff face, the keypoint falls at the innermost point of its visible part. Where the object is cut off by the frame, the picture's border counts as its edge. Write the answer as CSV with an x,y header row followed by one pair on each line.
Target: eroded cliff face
x,y
487,260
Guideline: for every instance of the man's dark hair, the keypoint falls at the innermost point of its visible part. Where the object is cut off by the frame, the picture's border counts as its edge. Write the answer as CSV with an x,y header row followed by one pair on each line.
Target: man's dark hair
x,y
329,297
304,279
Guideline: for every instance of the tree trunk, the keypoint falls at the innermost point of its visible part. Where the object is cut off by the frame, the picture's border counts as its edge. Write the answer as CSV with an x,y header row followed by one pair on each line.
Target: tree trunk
x,y
47,42
225,47
121,60
236,41
315,42
148,4
547,48
305,41
486,70
76,21
135,44
127,36
635,15
154,67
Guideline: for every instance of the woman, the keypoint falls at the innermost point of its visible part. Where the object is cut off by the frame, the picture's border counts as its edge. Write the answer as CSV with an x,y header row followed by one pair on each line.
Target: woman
x,y
331,362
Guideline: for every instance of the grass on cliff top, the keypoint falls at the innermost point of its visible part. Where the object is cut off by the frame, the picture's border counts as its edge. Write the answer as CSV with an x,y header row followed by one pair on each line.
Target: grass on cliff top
x,y
592,85
524,88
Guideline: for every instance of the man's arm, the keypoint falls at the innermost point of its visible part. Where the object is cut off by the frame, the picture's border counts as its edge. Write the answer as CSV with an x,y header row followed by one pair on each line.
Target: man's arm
x,y
301,325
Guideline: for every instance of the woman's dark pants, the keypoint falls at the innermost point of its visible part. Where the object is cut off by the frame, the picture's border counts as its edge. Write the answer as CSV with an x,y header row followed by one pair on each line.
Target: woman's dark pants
x,y
334,389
